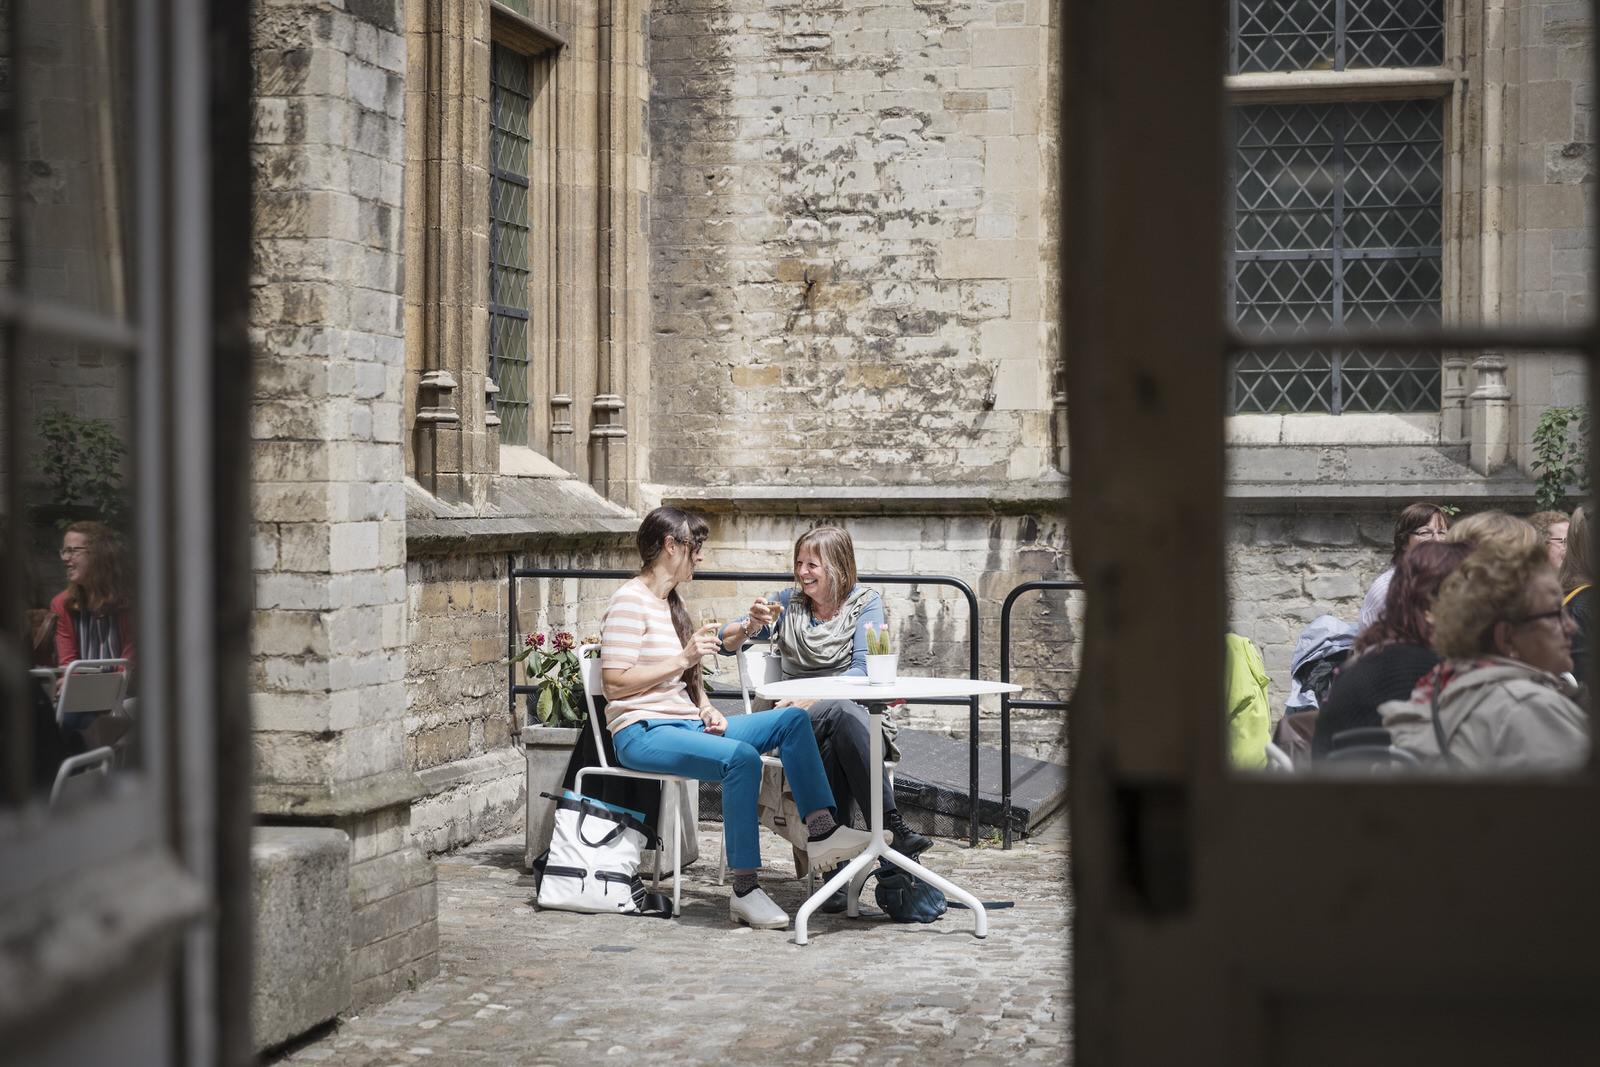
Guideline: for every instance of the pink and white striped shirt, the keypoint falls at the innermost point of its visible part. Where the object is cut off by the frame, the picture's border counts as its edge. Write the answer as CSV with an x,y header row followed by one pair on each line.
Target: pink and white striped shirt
x,y
637,630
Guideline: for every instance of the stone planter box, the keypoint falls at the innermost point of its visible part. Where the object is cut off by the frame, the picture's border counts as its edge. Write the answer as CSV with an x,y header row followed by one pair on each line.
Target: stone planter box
x,y
548,749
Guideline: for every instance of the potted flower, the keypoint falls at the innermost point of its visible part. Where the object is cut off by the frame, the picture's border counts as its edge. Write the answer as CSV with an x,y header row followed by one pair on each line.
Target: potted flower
x,y
556,716
552,666
882,665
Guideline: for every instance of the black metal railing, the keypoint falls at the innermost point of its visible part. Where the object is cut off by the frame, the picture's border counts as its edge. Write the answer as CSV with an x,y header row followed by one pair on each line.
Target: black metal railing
x,y
1007,701
516,572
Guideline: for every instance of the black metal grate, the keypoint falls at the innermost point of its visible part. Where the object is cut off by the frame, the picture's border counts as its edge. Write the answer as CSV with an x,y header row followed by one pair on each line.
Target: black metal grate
x,y
1337,219
1285,35
510,103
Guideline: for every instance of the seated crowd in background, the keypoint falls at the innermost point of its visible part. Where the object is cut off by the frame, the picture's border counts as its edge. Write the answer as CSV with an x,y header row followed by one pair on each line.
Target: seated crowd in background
x,y
1472,652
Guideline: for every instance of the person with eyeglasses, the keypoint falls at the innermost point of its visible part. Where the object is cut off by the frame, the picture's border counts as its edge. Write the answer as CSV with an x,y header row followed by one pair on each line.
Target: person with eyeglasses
x,y
662,721
94,613
1552,529
1501,701
1418,524
818,628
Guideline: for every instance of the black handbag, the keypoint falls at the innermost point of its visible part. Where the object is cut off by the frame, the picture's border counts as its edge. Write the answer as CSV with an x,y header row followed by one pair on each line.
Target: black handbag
x,y
907,898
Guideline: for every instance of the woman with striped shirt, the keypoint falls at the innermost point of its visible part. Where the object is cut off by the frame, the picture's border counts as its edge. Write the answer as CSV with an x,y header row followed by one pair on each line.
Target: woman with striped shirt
x,y
661,720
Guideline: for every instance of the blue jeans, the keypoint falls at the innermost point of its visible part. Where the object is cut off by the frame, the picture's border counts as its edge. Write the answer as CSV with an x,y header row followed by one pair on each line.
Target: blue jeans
x,y
683,747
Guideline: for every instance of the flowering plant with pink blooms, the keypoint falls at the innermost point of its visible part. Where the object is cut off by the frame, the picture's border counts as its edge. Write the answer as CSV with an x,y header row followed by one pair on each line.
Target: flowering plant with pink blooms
x,y
553,668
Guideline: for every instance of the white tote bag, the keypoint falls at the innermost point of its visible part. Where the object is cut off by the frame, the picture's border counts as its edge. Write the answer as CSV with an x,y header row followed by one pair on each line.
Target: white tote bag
x,y
593,862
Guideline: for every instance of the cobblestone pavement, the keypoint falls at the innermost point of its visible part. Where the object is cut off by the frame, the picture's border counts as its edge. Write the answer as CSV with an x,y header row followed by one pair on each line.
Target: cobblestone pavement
x,y
522,986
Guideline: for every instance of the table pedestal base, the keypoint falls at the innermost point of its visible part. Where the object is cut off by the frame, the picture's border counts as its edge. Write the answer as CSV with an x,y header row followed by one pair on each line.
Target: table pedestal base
x,y
857,870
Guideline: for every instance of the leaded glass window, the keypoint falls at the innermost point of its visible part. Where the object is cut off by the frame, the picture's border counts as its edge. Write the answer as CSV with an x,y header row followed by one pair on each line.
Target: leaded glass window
x,y
510,102
1337,208
1279,35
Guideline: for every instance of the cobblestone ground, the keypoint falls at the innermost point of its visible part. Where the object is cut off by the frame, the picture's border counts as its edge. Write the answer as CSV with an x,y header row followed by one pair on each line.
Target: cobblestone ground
x,y
522,986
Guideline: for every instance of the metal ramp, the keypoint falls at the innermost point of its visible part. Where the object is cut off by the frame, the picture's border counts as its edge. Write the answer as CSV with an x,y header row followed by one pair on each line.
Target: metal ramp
x,y
931,788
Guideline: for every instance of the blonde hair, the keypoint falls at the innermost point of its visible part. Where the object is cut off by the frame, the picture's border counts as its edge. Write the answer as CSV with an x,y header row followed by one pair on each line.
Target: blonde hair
x,y
837,553
1493,585
1495,528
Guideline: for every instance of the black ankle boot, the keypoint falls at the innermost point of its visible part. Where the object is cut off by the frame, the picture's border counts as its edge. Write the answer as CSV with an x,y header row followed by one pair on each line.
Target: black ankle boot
x,y
906,841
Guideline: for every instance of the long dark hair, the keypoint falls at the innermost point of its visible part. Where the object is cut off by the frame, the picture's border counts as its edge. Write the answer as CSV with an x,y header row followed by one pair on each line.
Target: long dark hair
x,y
684,528
1405,610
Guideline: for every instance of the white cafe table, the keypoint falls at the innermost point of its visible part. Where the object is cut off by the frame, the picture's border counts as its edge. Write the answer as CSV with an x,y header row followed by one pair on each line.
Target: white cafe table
x,y
876,698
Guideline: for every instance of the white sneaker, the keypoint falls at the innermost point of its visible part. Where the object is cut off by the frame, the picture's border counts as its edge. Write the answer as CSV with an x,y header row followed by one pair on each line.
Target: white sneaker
x,y
757,910
841,846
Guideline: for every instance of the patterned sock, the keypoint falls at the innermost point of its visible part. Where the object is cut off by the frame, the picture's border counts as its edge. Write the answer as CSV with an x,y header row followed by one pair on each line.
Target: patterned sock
x,y
743,882
820,824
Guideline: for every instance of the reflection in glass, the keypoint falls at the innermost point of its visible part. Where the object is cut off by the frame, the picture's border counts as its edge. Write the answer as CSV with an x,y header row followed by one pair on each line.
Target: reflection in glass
x,y
67,409
72,98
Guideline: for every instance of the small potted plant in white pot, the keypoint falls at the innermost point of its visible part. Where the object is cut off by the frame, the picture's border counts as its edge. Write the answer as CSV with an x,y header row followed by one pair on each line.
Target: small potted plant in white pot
x,y
882,665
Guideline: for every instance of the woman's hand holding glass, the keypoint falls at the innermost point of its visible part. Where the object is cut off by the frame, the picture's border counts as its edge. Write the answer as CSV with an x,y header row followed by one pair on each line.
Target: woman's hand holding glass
x,y
764,612
702,643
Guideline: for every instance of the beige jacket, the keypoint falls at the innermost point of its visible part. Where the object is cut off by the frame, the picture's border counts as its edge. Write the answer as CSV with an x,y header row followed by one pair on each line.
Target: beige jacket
x,y
1500,716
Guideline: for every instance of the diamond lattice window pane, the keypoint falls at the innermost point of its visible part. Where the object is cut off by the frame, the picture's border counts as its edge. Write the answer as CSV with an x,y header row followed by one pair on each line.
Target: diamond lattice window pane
x,y
1285,35
1282,383
1393,33
510,104
1390,381
1337,217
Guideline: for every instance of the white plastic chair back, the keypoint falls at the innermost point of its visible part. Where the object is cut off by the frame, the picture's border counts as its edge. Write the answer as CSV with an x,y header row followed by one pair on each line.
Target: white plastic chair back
x,y
96,686
758,665
1278,761
80,775
589,671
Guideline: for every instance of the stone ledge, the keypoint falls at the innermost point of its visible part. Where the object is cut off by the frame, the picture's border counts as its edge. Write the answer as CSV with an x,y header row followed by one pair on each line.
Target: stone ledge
x,y
316,800
300,886
489,767
1044,494
111,918
526,511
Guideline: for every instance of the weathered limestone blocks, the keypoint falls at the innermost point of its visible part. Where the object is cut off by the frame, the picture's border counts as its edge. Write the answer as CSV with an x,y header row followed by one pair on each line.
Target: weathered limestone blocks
x,y
328,645
849,244
301,953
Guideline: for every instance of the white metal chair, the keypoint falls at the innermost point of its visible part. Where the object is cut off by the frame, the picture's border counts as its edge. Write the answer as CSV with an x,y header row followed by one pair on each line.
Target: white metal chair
x,y
78,774
674,787
92,686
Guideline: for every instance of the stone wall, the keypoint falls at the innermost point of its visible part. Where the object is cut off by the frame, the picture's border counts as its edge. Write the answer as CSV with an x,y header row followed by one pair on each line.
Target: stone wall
x,y
849,243
329,636
463,736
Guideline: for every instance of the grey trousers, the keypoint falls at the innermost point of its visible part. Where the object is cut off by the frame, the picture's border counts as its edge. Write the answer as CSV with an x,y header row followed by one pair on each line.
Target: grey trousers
x,y
842,728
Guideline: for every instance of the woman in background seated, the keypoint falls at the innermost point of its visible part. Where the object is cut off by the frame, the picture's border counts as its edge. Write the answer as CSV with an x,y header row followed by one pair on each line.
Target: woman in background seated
x,y
1498,703
94,613
661,720
1495,528
1390,655
1551,526
1418,523
1576,576
821,632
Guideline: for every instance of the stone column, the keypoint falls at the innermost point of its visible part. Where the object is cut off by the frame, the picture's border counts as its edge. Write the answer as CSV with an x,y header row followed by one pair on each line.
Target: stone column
x,y
1491,414
1455,421
328,635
